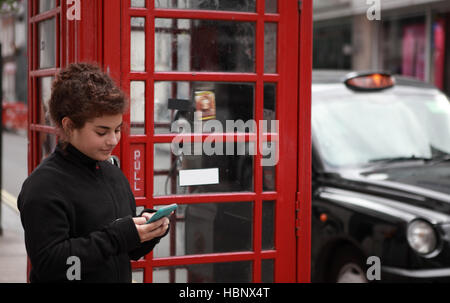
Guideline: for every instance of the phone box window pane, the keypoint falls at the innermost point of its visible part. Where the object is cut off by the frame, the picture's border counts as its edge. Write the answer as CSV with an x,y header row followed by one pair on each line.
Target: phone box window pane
x,y
267,271
270,48
137,47
208,228
46,5
45,87
227,102
137,3
271,6
47,144
235,172
47,43
218,5
270,94
229,272
204,45
137,108
137,275
268,226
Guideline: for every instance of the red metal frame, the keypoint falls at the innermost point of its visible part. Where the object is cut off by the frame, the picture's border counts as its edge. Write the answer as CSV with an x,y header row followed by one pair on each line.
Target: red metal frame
x,y
96,38
304,144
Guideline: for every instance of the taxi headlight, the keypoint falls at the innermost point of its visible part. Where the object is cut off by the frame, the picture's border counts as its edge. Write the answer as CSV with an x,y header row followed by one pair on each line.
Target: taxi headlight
x,y
421,237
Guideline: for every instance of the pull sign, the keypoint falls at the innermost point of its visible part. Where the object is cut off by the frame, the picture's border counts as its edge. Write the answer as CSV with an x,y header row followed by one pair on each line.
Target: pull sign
x,y
73,10
138,170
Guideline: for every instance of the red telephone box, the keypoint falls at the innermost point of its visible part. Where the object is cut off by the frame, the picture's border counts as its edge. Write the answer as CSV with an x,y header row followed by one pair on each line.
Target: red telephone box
x,y
244,209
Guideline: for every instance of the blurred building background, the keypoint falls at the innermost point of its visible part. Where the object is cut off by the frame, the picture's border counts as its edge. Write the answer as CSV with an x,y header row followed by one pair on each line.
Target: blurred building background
x,y
13,38
411,37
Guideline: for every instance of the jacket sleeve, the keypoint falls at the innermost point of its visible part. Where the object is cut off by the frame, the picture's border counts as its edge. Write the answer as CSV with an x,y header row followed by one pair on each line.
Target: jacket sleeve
x,y
147,246
49,244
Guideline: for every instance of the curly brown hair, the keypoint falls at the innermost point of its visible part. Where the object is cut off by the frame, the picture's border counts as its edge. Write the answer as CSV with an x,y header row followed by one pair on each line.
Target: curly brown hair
x,y
81,92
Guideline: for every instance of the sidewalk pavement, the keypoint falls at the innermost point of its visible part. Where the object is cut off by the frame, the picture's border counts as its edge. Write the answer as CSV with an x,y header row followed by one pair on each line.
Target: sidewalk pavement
x,y
13,256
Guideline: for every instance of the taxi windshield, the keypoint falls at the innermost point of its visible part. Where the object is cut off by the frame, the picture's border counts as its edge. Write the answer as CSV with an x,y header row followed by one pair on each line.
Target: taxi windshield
x,y
356,129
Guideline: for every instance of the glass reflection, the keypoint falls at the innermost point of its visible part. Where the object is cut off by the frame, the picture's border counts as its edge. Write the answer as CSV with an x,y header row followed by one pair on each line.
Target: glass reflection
x,y
137,107
267,271
137,44
270,105
231,101
47,143
208,228
46,5
45,87
229,272
235,171
137,275
270,48
268,226
137,3
47,43
204,45
271,6
220,5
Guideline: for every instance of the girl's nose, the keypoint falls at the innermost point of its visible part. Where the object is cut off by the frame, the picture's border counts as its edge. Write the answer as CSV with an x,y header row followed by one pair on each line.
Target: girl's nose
x,y
112,139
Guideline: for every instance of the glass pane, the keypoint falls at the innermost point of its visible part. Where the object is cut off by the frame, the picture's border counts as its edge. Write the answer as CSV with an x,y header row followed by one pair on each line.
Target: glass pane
x,y
270,105
230,272
222,5
139,210
137,275
137,47
137,107
46,5
270,118
208,228
268,230
270,48
47,143
271,6
270,157
47,43
204,45
267,272
269,178
228,102
232,172
137,3
45,89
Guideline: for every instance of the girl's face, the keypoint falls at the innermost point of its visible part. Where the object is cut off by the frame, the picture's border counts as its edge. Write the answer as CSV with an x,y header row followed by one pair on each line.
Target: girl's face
x,y
98,137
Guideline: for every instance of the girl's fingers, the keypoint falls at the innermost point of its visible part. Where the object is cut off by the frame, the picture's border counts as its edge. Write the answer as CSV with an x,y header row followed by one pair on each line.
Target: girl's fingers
x,y
139,220
147,216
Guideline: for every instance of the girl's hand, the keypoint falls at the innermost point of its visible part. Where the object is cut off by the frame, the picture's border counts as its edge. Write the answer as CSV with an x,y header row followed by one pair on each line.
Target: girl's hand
x,y
152,230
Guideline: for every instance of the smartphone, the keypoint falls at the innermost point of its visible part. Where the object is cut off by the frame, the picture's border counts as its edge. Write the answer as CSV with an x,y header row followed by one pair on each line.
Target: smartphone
x,y
163,212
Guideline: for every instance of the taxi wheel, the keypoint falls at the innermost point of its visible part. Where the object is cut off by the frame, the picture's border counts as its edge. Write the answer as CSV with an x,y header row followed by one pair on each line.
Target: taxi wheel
x,y
347,267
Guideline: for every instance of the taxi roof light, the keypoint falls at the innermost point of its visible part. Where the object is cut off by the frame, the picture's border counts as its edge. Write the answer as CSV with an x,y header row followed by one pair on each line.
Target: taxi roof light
x,y
370,81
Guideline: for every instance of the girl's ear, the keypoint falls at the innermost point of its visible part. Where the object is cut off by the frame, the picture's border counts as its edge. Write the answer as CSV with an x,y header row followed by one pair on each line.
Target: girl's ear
x,y
67,127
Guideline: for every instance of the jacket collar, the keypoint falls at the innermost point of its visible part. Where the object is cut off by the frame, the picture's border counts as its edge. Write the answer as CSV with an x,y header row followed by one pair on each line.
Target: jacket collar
x,y
71,153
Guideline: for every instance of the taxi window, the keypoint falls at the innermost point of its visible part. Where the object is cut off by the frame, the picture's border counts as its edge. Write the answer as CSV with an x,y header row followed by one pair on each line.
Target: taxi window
x,y
352,129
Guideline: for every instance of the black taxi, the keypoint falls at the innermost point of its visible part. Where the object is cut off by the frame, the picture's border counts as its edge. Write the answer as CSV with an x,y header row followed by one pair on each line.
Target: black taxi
x,y
381,179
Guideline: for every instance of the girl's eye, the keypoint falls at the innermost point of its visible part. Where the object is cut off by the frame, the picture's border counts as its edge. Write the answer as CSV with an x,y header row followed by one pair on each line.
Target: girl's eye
x,y
101,134
118,130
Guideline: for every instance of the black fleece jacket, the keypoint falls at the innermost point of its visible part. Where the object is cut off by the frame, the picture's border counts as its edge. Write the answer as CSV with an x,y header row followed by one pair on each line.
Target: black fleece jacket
x,y
72,205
